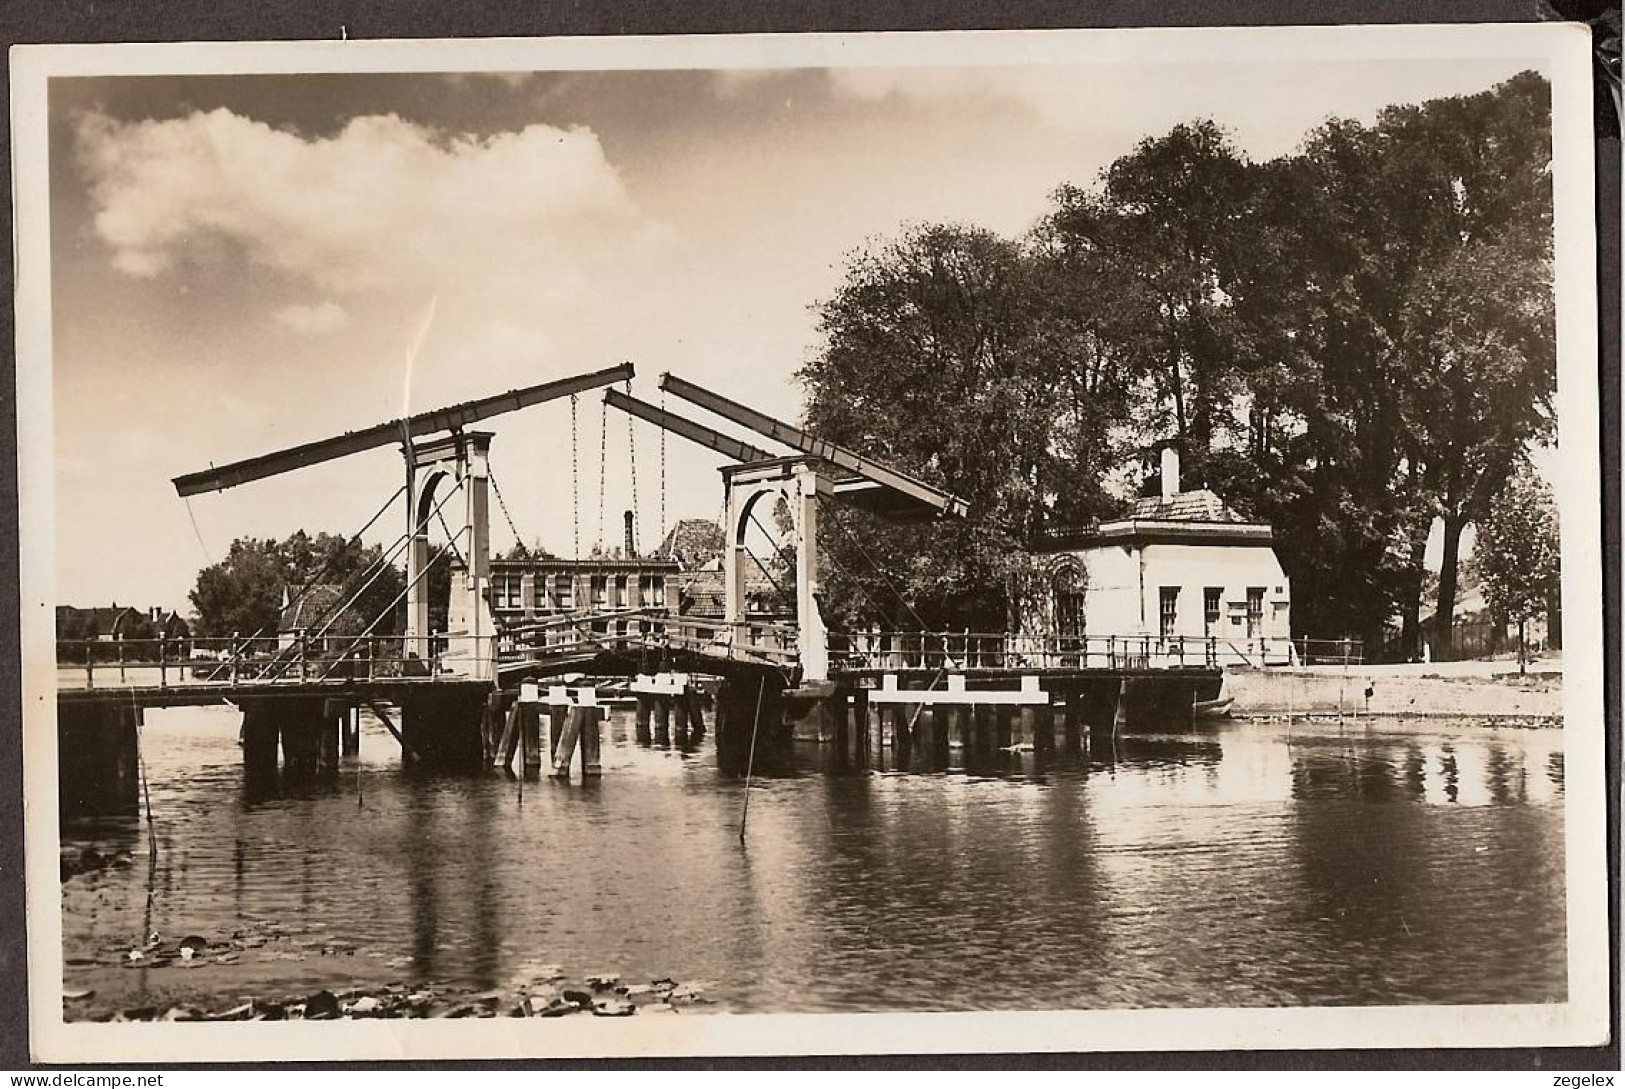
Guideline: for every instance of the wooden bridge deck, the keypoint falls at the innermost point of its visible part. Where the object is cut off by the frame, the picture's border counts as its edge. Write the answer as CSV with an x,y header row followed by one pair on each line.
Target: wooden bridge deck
x,y
383,689
608,644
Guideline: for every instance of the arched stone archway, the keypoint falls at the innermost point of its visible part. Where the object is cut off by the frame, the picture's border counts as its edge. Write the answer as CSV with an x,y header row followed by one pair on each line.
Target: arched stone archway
x,y
461,458
798,482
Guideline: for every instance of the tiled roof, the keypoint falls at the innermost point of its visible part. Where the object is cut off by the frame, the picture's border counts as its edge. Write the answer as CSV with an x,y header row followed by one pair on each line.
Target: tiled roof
x,y
693,542
314,608
96,621
1198,506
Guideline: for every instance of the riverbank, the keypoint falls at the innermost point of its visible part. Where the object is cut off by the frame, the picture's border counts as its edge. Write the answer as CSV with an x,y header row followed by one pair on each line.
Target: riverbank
x,y
1473,690
255,974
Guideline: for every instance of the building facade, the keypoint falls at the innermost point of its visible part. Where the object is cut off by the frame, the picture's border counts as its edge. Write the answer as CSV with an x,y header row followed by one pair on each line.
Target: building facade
x,y
1182,573
526,592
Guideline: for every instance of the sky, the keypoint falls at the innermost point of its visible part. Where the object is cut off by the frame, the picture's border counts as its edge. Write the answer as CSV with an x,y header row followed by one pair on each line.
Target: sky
x,y
246,262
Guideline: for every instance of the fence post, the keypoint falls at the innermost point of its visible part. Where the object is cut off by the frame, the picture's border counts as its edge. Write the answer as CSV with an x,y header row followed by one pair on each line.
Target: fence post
x,y
90,657
163,673
299,650
118,643
231,656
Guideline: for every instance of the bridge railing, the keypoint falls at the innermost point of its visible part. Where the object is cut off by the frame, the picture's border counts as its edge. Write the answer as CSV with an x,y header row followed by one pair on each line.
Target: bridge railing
x,y
635,631
1003,651
292,658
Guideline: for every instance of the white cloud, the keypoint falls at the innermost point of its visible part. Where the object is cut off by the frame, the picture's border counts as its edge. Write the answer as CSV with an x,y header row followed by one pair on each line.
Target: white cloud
x,y
383,204
323,318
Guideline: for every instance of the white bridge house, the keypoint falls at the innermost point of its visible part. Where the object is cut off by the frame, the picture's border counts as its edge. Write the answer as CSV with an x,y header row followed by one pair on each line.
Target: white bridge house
x,y
1181,567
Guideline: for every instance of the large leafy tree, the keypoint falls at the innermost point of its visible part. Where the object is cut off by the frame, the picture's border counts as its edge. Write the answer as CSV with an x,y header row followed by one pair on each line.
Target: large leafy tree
x,y
1478,331
1354,343
1413,331
1516,552
243,594
938,358
1164,245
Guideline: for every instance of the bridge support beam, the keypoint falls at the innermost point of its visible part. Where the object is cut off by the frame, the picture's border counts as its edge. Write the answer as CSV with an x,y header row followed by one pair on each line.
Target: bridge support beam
x,y
738,719
98,759
441,727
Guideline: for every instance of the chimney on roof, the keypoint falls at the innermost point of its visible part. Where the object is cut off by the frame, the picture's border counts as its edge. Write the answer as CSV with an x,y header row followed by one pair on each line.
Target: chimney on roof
x,y
1170,471
630,551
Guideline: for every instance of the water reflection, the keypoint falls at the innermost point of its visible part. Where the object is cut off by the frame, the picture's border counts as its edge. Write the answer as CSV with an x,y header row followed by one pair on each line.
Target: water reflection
x,y
1239,864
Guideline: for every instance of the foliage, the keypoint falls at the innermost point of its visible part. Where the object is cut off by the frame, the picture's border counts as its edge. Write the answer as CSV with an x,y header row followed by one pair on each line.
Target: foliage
x,y
243,594
1516,553
1353,343
937,360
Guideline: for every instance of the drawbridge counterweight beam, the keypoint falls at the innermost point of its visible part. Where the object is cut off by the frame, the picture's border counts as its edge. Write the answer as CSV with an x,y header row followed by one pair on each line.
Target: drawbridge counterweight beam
x,y
725,445
396,431
913,491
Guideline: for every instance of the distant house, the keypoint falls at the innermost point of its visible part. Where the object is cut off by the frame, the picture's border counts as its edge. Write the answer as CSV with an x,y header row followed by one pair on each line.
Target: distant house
x,y
168,624
697,546
115,622
1474,632
530,591
122,624
317,616
101,624
1182,571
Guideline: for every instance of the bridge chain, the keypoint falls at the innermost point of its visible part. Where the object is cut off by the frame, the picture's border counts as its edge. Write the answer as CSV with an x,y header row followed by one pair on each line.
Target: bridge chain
x,y
632,463
575,479
503,504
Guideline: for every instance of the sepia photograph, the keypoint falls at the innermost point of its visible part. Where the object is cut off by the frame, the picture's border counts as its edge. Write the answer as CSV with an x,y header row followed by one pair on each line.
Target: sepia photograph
x,y
811,544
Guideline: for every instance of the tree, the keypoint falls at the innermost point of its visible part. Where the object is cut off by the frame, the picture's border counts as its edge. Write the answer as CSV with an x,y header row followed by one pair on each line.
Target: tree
x,y
1517,551
938,358
1477,331
243,594
1164,247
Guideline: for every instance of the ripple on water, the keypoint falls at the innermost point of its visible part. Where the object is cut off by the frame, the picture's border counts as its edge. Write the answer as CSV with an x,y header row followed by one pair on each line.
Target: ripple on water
x,y
1240,864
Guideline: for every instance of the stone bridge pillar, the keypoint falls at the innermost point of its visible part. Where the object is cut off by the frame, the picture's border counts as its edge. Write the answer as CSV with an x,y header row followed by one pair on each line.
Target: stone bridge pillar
x,y
461,458
799,482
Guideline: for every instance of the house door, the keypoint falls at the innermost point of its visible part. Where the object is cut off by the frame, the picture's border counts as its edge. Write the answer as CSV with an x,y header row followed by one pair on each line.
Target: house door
x,y
1068,603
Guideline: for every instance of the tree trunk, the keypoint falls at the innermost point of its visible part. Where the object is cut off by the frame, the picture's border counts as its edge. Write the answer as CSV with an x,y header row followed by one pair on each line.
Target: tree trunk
x,y
1444,616
1410,616
1523,655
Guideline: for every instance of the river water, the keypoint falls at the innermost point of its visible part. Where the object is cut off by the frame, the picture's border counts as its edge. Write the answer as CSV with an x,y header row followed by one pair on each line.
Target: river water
x,y
1237,864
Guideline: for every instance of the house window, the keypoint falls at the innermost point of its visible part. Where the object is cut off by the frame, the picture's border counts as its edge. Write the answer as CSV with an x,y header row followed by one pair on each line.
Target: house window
x,y
1210,609
1169,610
1069,618
600,590
652,591
504,593
620,591
563,592
1255,611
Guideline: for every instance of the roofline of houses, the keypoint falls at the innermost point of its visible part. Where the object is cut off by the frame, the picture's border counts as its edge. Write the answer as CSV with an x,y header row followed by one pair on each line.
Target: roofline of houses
x,y
1154,531
589,564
